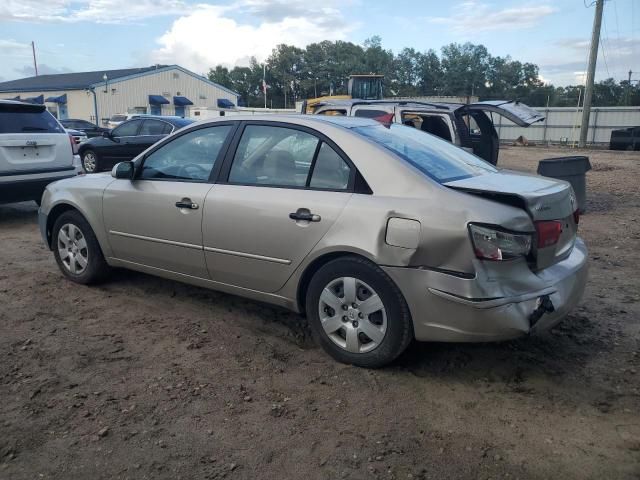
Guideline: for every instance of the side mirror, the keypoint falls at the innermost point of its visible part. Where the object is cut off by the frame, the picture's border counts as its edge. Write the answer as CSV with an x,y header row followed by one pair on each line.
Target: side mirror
x,y
107,134
123,171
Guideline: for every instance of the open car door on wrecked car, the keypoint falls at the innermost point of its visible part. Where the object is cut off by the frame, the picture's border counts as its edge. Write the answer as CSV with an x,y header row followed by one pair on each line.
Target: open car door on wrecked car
x,y
477,130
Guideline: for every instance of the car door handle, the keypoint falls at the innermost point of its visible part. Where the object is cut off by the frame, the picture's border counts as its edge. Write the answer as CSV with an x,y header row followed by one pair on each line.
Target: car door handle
x,y
304,214
187,203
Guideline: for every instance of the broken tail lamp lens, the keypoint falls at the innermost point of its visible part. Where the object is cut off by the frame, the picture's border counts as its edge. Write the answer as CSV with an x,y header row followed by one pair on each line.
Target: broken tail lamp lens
x,y
548,233
493,244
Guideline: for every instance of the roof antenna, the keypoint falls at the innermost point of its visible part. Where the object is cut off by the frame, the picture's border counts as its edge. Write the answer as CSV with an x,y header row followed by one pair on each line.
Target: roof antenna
x,y
35,64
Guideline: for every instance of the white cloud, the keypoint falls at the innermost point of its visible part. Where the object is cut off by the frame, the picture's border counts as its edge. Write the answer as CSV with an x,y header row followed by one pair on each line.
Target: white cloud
x,y
474,16
566,62
95,11
210,36
10,47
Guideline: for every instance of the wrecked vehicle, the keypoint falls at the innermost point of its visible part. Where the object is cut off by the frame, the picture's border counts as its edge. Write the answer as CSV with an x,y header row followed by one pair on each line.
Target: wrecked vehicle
x,y
469,126
378,233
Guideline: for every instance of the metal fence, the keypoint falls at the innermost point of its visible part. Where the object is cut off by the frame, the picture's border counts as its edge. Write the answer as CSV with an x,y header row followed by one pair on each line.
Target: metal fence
x,y
562,125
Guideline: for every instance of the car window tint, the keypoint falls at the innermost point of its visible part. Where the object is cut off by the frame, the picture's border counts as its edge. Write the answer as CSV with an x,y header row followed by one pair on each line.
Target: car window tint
x,y
154,127
273,156
188,157
128,129
330,170
18,119
366,113
84,124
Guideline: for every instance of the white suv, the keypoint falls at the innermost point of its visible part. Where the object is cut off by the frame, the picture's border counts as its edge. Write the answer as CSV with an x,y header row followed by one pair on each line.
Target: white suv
x,y
35,150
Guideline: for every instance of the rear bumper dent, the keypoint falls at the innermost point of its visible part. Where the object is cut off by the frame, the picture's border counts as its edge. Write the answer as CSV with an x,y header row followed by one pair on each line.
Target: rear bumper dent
x,y
443,311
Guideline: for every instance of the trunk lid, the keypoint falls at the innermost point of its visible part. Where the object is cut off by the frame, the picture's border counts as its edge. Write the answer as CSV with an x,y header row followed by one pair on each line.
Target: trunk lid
x,y
519,113
544,199
31,139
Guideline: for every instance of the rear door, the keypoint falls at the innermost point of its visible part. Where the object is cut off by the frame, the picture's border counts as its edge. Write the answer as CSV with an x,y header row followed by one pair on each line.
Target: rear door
x,y
519,113
282,188
32,141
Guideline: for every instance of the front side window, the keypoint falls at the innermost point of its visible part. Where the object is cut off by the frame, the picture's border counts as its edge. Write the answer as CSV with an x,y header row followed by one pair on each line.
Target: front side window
x,y
438,159
273,156
189,157
128,129
155,127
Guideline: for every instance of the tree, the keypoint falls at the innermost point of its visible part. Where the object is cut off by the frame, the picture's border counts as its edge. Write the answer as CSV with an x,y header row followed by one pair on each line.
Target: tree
x,y
461,69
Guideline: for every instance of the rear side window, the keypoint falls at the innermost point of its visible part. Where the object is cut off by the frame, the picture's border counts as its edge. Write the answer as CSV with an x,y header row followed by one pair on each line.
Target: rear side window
x,y
25,119
330,170
274,156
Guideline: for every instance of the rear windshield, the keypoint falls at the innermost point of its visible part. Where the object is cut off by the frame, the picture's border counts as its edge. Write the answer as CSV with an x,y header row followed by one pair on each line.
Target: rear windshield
x,y
436,158
17,120
119,118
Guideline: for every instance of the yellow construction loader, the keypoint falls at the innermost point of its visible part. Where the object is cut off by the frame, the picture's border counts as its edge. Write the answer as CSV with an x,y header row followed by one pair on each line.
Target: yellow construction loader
x,y
365,87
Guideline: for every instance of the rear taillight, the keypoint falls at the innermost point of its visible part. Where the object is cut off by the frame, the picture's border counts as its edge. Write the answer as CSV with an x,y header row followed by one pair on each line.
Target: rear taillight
x,y
73,144
494,244
548,233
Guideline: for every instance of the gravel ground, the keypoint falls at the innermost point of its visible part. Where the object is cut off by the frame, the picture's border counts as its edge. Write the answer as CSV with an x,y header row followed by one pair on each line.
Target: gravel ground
x,y
147,378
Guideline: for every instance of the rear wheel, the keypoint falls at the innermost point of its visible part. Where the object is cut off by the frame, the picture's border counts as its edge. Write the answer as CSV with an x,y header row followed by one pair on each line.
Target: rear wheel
x,y
90,162
357,313
76,249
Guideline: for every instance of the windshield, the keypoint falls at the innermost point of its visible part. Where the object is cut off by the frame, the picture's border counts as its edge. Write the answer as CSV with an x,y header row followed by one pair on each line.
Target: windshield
x,y
436,158
118,118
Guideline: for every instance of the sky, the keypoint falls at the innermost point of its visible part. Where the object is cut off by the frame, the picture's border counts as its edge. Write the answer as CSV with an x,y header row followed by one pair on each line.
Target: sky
x,y
85,35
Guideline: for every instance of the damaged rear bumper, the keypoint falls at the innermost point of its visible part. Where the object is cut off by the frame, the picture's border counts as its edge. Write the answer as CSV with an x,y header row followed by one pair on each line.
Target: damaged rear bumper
x,y
503,301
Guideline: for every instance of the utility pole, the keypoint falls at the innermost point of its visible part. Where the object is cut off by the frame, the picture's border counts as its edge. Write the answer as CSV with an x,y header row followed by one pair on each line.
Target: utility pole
x,y
628,102
35,64
591,71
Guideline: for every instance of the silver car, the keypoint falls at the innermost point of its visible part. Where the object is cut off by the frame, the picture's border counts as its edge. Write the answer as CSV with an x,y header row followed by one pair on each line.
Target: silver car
x,y
379,234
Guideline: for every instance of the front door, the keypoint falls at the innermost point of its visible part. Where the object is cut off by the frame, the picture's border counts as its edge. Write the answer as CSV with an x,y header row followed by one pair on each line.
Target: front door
x,y
156,219
285,189
122,143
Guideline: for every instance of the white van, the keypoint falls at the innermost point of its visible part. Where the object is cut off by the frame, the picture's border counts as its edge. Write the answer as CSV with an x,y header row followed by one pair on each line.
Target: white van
x,y
35,150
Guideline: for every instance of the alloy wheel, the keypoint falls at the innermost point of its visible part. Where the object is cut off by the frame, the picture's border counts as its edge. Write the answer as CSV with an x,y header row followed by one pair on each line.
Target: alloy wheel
x,y
89,162
72,248
352,315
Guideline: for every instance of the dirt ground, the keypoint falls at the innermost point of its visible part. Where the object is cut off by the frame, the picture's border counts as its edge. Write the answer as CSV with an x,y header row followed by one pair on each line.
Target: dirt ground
x,y
147,378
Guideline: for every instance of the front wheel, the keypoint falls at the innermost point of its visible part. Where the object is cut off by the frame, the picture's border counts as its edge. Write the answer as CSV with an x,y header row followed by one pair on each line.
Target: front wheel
x,y
76,249
90,162
357,313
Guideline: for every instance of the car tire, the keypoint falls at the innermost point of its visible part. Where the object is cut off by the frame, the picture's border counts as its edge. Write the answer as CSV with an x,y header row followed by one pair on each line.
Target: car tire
x,y
90,161
342,329
77,251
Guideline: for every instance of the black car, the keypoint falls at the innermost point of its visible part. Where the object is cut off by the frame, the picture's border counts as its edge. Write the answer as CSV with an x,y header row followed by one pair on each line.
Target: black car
x,y
126,141
90,129
625,139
